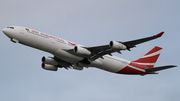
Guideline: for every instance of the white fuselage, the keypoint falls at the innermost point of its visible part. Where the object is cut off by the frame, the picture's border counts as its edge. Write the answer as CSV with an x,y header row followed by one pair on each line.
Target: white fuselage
x,y
58,47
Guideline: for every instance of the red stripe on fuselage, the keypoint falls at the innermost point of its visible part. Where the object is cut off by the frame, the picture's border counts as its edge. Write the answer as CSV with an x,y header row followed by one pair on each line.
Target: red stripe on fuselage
x,y
72,43
141,65
129,70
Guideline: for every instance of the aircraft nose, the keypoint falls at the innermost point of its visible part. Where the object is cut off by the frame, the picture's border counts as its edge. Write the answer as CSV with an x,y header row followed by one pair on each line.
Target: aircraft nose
x,y
4,30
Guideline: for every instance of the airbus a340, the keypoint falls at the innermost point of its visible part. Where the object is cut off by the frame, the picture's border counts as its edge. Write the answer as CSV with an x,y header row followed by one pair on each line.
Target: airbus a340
x,y
70,55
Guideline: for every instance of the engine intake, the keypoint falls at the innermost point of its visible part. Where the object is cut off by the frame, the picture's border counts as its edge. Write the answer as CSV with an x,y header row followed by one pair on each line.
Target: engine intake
x,y
117,46
48,60
49,67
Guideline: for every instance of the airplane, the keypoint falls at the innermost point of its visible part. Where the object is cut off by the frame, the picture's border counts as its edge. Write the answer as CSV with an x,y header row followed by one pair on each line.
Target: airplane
x,y
67,54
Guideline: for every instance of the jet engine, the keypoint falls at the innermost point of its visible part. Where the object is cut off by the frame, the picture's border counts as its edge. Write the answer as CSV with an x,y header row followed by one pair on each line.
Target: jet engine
x,y
49,60
117,46
81,50
49,67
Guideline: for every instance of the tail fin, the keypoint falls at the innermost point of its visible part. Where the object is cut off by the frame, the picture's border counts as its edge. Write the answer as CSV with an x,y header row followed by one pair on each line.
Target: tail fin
x,y
150,58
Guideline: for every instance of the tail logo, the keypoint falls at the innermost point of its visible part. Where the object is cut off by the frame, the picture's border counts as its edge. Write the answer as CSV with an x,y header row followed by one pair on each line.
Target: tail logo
x,y
138,66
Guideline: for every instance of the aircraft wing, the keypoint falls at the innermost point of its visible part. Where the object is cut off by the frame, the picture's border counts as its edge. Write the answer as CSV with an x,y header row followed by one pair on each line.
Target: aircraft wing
x,y
99,51
133,43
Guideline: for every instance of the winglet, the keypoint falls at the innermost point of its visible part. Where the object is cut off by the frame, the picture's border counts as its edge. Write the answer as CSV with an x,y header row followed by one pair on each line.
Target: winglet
x,y
160,34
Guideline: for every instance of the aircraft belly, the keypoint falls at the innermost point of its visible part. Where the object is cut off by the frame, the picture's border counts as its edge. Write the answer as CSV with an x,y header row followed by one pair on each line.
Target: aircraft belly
x,y
111,65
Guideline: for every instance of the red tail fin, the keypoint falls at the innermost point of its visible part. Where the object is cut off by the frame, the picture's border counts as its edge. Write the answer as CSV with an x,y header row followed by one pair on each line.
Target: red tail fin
x,y
150,58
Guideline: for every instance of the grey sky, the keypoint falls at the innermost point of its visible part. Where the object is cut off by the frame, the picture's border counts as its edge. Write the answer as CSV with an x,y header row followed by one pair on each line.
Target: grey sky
x,y
90,22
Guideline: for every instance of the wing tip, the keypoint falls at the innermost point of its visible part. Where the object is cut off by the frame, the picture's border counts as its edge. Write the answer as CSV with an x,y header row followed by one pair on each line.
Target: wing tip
x,y
160,34
157,47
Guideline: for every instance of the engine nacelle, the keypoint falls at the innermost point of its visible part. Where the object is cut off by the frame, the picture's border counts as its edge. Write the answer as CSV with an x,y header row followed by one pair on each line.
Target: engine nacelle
x,y
49,67
81,51
117,46
48,60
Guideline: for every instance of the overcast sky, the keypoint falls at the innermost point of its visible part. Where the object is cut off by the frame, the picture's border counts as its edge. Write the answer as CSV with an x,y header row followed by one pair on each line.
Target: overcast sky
x,y
90,22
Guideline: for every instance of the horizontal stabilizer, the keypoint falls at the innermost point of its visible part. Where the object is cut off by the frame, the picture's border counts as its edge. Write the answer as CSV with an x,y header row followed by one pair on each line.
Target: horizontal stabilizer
x,y
150,70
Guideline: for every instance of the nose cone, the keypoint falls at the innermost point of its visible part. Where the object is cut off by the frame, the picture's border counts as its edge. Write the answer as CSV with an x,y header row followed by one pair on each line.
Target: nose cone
x,y
7,32
4,30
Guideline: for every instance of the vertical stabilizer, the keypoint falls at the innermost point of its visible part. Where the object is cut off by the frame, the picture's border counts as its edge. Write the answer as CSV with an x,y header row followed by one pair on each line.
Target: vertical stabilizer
x,y
150,58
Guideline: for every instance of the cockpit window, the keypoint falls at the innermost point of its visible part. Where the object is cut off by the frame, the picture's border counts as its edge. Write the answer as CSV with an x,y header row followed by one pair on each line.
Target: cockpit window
x,y
11,27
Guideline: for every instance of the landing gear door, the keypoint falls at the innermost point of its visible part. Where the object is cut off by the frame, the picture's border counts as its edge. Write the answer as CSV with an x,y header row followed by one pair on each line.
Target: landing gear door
x,y
22,30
